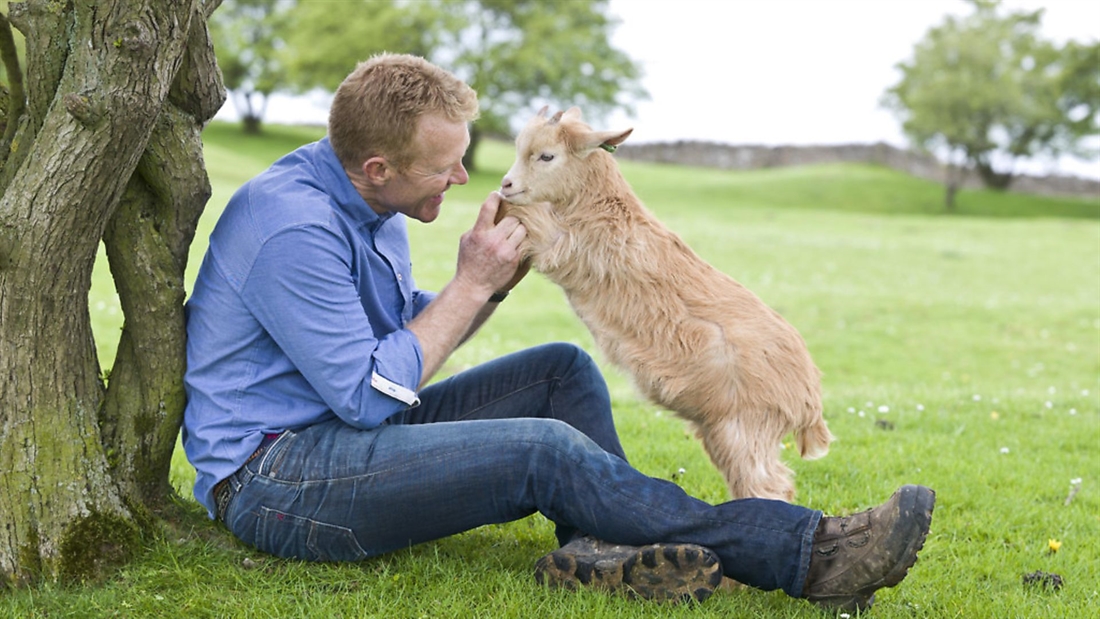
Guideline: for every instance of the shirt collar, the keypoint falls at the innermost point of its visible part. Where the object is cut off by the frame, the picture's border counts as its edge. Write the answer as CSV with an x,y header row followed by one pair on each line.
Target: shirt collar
x,y
341,189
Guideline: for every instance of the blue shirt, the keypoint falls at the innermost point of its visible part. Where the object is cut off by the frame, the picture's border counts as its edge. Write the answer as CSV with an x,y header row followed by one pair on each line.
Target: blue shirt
x,y
297,316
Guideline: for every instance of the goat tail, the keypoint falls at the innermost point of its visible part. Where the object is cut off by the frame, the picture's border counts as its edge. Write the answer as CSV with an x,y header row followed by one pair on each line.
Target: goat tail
x,y
813,440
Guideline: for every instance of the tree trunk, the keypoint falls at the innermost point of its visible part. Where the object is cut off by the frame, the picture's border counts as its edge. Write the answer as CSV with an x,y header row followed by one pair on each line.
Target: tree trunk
x,y
252,124
954,176
993,179
99,73
147,244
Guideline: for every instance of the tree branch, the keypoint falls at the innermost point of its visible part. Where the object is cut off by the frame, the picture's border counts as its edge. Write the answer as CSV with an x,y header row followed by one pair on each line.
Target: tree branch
x,y
47,49
198,88
17,95
209,6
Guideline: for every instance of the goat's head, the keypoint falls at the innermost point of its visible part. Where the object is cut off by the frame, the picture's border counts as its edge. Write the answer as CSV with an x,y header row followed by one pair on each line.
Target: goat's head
x,y
553,158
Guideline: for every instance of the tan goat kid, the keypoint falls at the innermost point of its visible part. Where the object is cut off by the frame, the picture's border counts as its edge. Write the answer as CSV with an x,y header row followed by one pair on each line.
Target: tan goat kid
x,y
696,341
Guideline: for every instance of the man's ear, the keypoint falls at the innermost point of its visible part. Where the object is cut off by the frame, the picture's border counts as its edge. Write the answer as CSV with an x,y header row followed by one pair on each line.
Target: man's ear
x,y
377,171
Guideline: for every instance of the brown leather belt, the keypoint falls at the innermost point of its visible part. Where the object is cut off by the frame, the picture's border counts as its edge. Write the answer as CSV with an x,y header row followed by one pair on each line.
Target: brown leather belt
x,y
222,489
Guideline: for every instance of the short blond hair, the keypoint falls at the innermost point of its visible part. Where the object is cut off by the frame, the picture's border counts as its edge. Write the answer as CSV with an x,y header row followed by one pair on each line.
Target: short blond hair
x,y
377,107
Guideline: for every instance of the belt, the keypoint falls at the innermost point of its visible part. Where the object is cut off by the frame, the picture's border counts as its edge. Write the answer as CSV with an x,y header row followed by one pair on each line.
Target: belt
x,y
223,489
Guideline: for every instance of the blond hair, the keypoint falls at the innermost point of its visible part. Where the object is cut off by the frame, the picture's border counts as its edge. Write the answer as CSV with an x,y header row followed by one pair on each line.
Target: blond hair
x,y
376,109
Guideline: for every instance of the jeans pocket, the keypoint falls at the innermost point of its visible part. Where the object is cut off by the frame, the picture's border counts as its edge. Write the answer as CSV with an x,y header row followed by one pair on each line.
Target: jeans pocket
x,y
294,537
275,453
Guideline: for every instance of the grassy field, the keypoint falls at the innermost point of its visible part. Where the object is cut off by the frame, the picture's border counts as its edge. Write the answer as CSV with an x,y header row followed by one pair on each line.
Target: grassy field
x,y
959,351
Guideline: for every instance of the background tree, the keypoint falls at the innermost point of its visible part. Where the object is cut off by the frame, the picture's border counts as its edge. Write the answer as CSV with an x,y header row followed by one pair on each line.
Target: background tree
x,y
1080,100
986,90
248,37
517,54
104,144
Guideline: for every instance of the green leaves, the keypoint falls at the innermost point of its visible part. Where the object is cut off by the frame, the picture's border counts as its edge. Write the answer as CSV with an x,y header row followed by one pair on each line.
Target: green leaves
x,y
517,54
987,86
326,41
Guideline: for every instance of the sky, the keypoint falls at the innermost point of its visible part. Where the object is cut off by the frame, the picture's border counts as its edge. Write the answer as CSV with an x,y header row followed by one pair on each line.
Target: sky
x,y
795,71
778,72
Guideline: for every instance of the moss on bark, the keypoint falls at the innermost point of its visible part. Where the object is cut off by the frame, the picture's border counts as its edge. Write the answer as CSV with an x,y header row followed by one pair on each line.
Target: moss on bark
x,y
95,546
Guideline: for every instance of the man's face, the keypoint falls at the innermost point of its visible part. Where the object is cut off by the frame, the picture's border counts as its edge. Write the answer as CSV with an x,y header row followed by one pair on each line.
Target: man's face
x,y
417,191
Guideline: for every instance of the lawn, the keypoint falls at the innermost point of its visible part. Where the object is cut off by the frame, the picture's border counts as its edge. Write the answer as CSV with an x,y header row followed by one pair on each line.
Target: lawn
x,y
959,351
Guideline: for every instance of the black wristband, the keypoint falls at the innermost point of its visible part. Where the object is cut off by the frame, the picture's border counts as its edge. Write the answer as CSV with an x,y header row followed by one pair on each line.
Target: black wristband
x,y
498,296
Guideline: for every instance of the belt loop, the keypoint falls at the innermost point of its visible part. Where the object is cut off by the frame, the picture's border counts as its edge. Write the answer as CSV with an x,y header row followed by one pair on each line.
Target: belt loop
x,y
242,477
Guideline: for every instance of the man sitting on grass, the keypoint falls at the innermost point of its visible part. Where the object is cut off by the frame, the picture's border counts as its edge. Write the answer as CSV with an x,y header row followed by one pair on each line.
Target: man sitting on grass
x,y
314,432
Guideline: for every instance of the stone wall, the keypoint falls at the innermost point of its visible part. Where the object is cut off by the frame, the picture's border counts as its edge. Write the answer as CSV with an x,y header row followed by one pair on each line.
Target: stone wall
x,y
750,157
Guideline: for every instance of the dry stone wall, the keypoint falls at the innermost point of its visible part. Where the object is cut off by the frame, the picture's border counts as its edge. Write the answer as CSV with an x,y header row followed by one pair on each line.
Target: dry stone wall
x,y
750,157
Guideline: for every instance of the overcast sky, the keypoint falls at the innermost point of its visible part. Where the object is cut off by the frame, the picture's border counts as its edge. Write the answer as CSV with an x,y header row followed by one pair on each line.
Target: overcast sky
x,y
778,71
793,71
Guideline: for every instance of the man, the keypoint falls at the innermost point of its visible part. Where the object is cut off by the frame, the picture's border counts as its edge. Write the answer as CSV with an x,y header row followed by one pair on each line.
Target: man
x,y
313,433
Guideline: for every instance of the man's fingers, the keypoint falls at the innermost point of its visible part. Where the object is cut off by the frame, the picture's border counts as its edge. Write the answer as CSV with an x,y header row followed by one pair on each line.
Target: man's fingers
x,y
487,216
502,234
517,235
502,210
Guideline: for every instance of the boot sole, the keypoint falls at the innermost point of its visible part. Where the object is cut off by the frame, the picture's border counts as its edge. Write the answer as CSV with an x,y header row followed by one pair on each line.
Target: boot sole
x,y
659,572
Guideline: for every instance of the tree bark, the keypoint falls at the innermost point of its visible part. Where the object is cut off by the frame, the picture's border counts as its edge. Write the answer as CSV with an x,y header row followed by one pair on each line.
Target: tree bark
x,y
147,244
99,73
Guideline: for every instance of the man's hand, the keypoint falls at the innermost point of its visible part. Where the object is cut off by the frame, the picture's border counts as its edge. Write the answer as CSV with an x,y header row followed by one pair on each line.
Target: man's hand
x,y
488,254
525,265
521,272
488,260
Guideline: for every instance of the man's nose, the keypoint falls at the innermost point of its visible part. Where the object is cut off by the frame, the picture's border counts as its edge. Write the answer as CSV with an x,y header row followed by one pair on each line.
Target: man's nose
x,y
461,176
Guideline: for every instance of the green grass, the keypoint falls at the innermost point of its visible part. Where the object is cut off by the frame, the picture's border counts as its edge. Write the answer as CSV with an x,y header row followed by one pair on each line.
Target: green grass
x,y
974,338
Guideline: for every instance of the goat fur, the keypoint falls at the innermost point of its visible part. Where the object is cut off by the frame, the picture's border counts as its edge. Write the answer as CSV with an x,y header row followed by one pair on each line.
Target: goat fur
x,y
695,340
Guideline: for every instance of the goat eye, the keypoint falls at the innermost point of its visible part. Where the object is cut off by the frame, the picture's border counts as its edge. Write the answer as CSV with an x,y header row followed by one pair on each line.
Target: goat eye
x,y
546,157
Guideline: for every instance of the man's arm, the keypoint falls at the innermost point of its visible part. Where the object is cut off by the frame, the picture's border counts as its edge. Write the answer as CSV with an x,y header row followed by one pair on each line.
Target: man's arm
x,y
488,259
491,307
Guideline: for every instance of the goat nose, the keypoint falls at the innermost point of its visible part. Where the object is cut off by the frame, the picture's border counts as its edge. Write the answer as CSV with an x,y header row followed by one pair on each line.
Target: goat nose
x,y
506,183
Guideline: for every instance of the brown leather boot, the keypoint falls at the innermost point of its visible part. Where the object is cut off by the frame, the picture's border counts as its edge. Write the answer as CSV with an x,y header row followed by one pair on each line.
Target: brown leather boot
x,y
859,554
660,572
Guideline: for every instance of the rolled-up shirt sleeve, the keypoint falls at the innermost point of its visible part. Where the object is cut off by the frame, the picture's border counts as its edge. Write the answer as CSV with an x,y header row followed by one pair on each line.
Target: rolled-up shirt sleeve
x,y
421,299
302,290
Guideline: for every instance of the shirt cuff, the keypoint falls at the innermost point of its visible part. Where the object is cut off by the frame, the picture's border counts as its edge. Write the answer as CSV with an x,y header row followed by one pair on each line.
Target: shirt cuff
x,y
394,390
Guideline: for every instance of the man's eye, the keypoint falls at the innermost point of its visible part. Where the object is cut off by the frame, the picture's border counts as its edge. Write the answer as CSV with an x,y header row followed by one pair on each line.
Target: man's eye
x,y
546,157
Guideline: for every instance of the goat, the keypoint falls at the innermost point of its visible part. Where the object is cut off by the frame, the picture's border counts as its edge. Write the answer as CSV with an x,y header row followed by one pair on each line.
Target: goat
x,y
695,340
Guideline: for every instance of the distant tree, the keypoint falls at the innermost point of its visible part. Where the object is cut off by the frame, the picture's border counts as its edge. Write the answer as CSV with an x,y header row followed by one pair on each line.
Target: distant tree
x,y
986,87
1080,100
517,54
326,44
248,40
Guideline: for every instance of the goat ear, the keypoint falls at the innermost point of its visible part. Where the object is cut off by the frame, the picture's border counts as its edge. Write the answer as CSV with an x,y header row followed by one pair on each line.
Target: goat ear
x,y
607,140
542,112
573,113
555,118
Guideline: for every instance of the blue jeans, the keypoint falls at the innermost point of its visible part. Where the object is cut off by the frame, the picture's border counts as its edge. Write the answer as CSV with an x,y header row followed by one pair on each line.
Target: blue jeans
x,y
529,432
